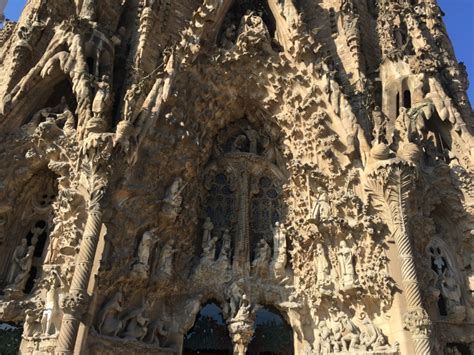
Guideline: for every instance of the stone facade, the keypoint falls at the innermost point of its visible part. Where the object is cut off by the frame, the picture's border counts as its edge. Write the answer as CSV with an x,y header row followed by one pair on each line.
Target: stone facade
x,y
313,156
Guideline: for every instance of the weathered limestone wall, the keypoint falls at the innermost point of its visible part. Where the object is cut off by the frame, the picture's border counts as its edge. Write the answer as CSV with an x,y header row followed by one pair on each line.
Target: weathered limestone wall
x,y
312,158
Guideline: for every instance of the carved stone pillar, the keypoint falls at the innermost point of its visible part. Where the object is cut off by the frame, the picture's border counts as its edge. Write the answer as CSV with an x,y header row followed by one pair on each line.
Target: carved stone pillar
x,y
76,301
389,185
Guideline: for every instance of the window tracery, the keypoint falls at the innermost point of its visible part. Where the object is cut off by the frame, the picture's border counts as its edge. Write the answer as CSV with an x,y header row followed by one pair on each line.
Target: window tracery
x,y
244,193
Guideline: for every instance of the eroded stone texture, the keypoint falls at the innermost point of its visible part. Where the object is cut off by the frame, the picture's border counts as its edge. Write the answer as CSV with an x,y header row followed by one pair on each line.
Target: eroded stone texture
x,y
314,157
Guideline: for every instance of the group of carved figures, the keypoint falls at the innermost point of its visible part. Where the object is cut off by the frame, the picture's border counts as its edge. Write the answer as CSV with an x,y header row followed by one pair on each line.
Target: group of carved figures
x,y
163,261
345,268
113,321
49,322
262,264
339,333
209,244
22,262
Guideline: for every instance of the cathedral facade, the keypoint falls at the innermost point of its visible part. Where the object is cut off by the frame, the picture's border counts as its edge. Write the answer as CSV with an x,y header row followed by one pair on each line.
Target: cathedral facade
x,y
235,177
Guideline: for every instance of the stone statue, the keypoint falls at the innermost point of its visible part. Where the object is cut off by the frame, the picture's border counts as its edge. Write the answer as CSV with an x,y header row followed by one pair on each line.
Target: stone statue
x,y
136,324
173,199
240,143
235,294
142,266
379,125
24,272
225,253
209,251
371,337
51,318
280,258
261,263
31,327
346,266
323,276
109,322
323,344
253,138
103,98
18,254
321,209
207,227
131,100
402,127
451,292
345,333
166,258
243,314
156,330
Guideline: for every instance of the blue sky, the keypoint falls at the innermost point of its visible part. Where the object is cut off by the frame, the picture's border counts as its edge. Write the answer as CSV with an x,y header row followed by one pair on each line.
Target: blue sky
x,y
459,21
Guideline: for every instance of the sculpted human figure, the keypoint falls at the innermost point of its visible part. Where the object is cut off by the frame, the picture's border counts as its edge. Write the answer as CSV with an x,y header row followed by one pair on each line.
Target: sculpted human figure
x,y
226,245
371,337
209,251
50,321
379,124
321,209
25,268
109,317
324,338
240,143
42,114
402,126
243,314
262,258
143,253
235,294
322,267
131,100
173,199
18,254
346,266
156,330
103,97
207,227
137,326
345,333
166,258
31,325
451,292
279,249
253,137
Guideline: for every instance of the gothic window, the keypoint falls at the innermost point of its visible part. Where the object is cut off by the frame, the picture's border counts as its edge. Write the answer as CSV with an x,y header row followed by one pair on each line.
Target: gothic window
x,y
265,211
244,193
445,280
209,334
273,335
221,202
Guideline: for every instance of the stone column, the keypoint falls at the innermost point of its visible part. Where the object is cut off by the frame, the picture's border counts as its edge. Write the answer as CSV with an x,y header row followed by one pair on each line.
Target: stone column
x,y
76,301
94,182
390,185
